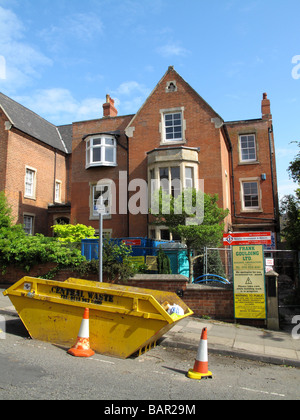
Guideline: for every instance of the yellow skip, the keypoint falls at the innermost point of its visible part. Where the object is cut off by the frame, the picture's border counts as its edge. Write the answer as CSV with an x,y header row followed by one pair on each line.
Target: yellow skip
x,y
123,319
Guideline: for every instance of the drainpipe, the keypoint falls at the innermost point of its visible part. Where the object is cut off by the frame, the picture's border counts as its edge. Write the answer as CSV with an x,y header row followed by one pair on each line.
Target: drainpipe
x,y
272,174
54,181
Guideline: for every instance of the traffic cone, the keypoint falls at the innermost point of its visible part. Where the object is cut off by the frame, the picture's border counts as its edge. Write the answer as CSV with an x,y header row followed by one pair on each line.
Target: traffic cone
x,y
82,346
201,363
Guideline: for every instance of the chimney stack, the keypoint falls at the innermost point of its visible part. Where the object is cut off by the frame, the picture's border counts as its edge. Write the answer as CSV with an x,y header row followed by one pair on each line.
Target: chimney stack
x,y
266,108
109,109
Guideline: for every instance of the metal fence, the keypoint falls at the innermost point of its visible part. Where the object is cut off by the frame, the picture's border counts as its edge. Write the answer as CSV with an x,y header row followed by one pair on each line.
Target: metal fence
x,y
286,263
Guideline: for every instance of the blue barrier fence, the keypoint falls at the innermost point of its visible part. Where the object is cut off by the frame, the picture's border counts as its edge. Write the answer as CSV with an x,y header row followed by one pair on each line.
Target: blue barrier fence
x,y
143,247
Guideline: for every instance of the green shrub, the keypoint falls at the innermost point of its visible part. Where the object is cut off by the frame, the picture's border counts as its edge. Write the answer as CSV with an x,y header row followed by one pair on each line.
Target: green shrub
x,y
26,251
73,233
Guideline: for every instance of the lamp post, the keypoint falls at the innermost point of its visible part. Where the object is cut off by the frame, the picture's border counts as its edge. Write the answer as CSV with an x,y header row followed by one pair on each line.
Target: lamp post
x,y
101,211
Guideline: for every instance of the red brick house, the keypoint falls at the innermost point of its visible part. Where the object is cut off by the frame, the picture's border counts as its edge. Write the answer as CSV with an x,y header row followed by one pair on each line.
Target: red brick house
x,y
174,135
34,166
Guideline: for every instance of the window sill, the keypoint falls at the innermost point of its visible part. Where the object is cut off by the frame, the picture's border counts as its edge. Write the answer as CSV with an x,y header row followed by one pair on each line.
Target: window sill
x,y
99,165
27,197
172,142
250,162
252,211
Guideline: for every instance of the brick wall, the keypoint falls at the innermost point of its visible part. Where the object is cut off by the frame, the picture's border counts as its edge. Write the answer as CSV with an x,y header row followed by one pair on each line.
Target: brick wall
x,y
209,301
13,274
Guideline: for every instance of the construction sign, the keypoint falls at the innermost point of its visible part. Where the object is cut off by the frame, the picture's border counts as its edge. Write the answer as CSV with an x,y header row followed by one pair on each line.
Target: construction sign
x,y
247,238
249,282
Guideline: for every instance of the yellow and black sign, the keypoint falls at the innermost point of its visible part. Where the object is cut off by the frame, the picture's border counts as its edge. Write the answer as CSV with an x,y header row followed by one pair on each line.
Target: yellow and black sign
x,y
249,282
151,263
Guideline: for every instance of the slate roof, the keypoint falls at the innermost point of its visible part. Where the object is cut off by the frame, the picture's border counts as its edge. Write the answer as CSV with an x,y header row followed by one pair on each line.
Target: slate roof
x,y
32,124
66,132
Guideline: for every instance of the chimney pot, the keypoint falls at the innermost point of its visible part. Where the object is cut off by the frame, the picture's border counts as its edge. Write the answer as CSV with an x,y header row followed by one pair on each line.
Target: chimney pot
x,y
266,107
109,109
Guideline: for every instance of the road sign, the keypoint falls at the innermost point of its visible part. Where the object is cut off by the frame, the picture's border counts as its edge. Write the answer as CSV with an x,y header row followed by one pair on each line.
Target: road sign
x,y
247,238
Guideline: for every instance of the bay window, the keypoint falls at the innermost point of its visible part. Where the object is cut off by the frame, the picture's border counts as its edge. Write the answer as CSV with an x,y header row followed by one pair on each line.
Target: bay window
x,y
101,150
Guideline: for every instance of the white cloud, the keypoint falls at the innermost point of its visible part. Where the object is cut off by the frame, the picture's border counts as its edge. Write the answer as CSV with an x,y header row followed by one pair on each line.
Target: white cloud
x,y
286,152
286,187
60,107
23,61
137,93
11,27
82,27
129,88
170,50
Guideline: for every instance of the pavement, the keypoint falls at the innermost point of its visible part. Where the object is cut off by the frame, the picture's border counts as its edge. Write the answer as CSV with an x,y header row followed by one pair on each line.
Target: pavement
x,y
275,347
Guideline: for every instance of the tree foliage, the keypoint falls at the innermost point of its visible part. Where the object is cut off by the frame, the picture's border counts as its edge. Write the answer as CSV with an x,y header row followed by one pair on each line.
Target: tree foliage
x,y
290,212
290,208
178,218
163,263
294,166
116,261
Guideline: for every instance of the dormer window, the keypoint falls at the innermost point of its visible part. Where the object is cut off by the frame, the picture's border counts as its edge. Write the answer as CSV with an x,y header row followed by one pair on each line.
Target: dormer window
x,y
101,150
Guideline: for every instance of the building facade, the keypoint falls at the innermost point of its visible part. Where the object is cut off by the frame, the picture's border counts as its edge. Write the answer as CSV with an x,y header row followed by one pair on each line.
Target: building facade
x,y
53,174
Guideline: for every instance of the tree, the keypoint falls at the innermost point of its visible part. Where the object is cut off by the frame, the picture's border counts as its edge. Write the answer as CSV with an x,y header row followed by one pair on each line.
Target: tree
x,y
177,216
163,263
116,261
290,212
294,167
290,208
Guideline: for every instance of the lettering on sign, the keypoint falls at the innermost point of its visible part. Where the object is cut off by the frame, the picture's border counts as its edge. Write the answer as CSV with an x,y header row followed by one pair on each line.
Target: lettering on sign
x,y
249,282
82,296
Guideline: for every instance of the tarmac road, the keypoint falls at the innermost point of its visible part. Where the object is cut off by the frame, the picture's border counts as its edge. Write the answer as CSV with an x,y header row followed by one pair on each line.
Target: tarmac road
x,y
35,370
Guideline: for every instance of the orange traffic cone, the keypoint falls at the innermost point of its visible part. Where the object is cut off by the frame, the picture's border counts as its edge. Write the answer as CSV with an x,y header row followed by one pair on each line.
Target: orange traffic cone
x,y
201,364
82,346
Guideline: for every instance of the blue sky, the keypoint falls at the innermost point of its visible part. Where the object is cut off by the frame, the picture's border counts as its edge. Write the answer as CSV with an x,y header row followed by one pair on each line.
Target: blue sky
x,y
61,57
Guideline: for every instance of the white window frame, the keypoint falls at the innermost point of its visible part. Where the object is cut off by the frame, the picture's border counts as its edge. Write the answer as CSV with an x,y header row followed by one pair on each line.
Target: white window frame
x,y
252,209
32,194
99,142
173,184
58,192
156,230
154,175
107,234
31,219
163,127
248,149
94,190
189,182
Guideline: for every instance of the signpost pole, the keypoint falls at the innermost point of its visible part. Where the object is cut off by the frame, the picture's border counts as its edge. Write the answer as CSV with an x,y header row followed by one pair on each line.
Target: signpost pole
x,y
100,247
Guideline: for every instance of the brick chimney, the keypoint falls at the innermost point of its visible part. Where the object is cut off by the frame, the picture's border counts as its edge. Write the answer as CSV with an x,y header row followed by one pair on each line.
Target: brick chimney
x,y
109,109
266,108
